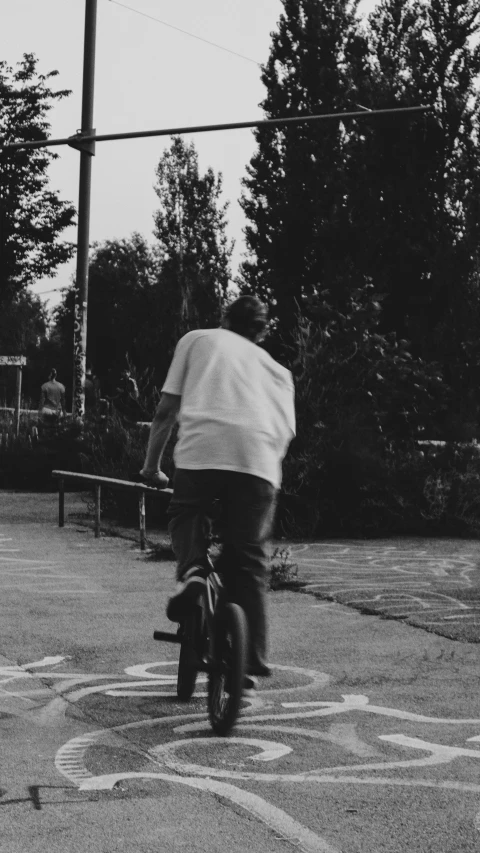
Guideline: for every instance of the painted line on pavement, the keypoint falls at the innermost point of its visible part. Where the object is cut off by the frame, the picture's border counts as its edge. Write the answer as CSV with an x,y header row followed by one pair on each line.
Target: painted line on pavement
x,y
276,819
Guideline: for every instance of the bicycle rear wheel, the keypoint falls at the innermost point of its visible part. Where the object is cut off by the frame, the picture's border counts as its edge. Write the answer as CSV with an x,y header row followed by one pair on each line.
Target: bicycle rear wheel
x,y
188,661
226,678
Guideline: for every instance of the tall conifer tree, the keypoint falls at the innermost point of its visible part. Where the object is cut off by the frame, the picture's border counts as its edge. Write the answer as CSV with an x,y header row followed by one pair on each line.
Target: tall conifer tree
x,y
193,249
295,192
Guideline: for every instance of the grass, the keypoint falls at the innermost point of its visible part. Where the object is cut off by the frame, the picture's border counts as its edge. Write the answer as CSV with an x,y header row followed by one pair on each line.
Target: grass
x,y
452,622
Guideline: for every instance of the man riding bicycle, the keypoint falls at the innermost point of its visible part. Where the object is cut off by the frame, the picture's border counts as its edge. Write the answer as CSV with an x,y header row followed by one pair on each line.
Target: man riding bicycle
x,y
235,408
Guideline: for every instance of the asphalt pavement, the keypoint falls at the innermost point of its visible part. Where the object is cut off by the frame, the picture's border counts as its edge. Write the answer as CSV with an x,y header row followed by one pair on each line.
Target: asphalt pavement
x,y
366,738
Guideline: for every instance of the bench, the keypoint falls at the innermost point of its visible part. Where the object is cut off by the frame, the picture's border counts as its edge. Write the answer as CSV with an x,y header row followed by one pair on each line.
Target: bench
x,y
141,489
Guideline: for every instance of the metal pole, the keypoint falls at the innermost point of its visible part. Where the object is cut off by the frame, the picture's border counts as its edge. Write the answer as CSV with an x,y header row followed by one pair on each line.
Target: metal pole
x,y
76,140
86,152
18,399
98,505
141,515
61,502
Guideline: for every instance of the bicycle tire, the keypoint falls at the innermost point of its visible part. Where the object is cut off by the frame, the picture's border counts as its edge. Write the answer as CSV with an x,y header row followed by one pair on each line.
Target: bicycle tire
x,y
188,660
226,678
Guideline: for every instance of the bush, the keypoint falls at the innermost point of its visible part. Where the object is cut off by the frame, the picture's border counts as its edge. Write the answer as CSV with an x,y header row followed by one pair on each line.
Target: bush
x,y
117,449
27,460
283,572
372,492
363,401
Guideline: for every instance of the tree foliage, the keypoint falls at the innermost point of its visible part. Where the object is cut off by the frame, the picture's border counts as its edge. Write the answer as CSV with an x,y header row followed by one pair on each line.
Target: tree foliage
x,y
190,227
32,216
24,332
392,201
425,175
142,298
360,398
295,193
123,309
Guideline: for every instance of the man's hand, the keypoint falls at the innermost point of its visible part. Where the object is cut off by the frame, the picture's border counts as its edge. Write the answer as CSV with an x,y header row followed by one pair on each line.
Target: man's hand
x,y
163,421
156,478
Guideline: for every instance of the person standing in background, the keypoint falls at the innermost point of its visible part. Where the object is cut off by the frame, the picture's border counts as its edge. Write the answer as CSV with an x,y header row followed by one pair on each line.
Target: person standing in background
x,y
51,407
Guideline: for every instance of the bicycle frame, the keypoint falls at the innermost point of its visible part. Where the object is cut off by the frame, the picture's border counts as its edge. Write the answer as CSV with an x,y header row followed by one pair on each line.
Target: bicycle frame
x,y
213,596
211,599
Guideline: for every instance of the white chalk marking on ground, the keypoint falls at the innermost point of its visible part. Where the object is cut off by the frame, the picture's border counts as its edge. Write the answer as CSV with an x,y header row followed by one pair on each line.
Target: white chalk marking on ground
x,y
359,702
463,615
299,549
276,819
120,685
69,762
350,614
340,734
47,661
338,586
142,670
317,679
150,693
40,572
108,781
165,753
22,670
443,754
24,560
36,691
49,588
10,694
54,712
69,759
13,672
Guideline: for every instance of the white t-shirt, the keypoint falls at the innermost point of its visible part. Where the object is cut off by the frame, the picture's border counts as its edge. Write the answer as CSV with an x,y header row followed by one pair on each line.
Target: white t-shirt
x,y
237,409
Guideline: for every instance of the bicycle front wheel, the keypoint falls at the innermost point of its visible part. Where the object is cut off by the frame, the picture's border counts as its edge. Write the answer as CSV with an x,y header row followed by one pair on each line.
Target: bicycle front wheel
x,y
227,675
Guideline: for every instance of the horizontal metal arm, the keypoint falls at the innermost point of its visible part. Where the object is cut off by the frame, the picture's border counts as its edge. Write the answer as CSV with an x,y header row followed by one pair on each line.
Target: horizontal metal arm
x,y
207,128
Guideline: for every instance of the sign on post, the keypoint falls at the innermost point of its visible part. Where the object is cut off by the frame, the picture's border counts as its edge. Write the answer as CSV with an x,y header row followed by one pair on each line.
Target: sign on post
x,y
17,361
13,360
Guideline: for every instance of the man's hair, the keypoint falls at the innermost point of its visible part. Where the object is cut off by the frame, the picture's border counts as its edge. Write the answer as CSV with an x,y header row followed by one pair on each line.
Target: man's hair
x,y
247,316
53,373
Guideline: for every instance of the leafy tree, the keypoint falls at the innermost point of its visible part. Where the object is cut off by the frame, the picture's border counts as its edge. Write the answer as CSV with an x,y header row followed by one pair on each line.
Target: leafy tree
x,y
141,299
193,249
23,324
392,201
23,331
124,318
32,216
426,180
360,396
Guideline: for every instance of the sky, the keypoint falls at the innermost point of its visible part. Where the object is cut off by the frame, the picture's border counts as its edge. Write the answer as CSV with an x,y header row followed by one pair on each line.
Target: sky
x,y
148,76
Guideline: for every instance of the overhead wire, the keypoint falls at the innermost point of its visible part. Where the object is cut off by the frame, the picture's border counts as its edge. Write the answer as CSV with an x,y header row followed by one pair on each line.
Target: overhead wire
x,y
185,32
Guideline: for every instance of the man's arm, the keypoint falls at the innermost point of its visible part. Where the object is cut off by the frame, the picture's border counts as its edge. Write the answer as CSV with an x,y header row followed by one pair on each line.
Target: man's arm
x,y
162,424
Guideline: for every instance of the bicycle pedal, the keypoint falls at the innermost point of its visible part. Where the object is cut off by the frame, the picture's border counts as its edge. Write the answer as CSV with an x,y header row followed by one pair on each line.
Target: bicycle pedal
x,y
166,637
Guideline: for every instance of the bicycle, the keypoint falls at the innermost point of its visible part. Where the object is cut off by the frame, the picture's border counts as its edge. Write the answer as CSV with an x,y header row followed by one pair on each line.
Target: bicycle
x,y
213,638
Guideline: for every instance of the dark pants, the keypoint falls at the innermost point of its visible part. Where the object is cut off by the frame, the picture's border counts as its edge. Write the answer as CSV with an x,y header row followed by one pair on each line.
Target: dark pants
x,y
248,509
